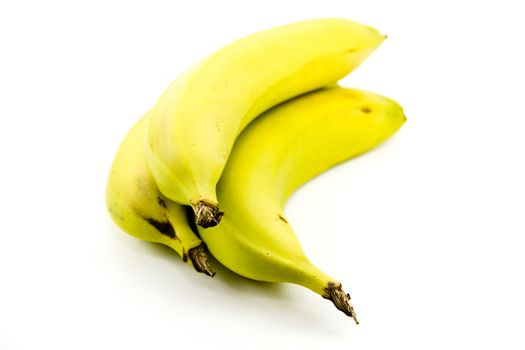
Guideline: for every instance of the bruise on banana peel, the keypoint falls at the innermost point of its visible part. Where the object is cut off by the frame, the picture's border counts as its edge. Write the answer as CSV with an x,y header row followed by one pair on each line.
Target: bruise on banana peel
x,y
283,219
197,255
163,227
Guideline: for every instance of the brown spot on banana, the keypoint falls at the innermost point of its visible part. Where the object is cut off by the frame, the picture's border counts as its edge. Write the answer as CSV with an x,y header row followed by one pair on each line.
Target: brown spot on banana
x,y
283,219
163,227
161,202
366,109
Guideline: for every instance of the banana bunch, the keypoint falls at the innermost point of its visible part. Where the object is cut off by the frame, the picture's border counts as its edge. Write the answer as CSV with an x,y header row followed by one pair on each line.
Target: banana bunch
x,y
273,95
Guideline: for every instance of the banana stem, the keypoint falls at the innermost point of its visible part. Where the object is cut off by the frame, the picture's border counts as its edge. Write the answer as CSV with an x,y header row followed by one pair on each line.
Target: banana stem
x,y
206,214
341,300
199,258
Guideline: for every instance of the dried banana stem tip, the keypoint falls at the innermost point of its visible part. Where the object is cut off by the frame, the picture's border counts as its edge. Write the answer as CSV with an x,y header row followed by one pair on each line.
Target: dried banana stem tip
x,y
207,215
199,258
341,300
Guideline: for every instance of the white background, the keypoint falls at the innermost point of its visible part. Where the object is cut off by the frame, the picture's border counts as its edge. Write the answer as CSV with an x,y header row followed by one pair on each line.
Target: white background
x,y
426,232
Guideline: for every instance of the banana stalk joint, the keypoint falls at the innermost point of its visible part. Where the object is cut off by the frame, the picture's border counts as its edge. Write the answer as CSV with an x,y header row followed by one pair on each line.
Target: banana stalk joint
x,y
207,215
341,300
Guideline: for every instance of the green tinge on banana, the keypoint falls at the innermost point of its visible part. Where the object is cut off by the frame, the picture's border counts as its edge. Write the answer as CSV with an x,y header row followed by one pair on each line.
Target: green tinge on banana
x,y
197,119
276,154
137,206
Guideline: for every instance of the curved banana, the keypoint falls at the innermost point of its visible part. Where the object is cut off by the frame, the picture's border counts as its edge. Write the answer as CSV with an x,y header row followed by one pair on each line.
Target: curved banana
x,y
197,119
137,206
275,155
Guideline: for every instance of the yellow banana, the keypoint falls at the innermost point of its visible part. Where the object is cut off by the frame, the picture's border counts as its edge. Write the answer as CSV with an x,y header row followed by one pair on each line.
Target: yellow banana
x,y
137,206
197,119
276,154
